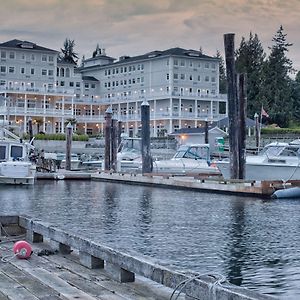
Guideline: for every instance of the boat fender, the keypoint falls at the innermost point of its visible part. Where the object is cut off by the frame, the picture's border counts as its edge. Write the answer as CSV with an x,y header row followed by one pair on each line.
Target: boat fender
x,y
22,249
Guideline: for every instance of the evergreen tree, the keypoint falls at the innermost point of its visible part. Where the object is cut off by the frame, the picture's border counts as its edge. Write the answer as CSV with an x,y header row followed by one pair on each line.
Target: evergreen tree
x,y
277,85
296,98
68,54
222,74
249,60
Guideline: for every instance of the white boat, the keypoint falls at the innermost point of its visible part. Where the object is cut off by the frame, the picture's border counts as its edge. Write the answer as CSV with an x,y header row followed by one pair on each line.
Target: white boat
x,y
15,167
194,158
276,161
61,158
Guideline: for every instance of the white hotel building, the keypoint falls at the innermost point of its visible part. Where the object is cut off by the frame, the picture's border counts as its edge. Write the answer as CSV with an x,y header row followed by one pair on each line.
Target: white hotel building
x,y
181,86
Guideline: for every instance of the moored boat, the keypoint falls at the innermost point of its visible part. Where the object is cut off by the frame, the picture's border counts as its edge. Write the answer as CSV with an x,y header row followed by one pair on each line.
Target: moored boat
x,y
276,161
15,167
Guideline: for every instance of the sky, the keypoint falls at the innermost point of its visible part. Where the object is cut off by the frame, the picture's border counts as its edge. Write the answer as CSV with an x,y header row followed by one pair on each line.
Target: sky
x,y
133,27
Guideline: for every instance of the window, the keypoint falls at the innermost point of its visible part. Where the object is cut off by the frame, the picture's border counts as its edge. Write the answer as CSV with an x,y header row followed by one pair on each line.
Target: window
x,y
191,77
213,79
182,63
206,66
2,153
44,58
168,76
182,76
22,71
32,57
51,58
67,72
23,56
2,82
199,78
32,71
191,64
71,84
50,72
86,86
206,78
175,76
12,55
2,69
78,84
3,54
44,72
62,83
213,65
175,62
11,70
16,151
93,85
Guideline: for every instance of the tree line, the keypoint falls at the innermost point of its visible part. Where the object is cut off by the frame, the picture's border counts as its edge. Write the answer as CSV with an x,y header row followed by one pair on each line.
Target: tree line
x,y
269,81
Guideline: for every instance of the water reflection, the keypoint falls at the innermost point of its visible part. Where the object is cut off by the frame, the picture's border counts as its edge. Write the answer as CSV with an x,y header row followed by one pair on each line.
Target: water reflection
x,y
110,208
237,242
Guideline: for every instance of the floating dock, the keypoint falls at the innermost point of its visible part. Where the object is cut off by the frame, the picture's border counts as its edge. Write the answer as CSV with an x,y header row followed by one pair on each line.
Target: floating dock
x,y
199,183
196,182
64,265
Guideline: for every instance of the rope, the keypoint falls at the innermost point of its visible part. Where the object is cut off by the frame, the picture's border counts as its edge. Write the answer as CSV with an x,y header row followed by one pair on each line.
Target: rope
x,y
220,279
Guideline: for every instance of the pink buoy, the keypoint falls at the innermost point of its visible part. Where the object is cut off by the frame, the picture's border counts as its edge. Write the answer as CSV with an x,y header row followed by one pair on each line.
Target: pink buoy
x,y
22,249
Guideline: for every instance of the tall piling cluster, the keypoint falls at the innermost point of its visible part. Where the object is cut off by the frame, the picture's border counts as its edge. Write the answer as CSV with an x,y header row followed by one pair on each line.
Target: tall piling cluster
x,y
112,140
236,111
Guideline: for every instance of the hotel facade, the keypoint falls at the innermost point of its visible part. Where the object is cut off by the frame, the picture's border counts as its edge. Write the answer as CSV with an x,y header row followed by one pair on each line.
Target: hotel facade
x,y
181,87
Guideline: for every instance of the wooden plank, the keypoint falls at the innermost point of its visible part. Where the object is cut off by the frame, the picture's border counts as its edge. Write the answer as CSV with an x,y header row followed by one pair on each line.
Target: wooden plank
x,y
35,287
52,280
13,290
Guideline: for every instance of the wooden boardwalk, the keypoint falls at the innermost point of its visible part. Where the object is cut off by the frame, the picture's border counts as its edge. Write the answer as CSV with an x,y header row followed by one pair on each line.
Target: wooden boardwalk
x,y
59,276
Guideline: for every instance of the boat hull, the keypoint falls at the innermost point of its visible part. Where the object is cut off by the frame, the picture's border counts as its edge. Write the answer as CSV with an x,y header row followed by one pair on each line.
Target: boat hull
x,y
17,172
17,181
262,172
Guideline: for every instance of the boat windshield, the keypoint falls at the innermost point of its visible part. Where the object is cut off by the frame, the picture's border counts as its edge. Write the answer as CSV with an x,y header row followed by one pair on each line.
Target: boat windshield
x,y
194,152
272,150
130,145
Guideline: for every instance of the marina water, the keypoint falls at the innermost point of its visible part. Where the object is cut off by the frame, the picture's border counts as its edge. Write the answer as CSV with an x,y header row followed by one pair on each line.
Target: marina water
x,y
252,242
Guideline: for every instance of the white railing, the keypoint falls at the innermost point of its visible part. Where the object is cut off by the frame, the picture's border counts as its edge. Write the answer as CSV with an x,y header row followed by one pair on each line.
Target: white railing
x,y
31,90
48,112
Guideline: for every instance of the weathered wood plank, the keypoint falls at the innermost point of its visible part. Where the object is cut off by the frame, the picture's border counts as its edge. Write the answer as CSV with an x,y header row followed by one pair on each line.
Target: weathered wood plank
x,y
13,290
35,287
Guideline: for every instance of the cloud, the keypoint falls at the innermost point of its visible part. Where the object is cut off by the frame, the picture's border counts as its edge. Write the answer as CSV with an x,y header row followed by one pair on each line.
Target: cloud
x,y
137,26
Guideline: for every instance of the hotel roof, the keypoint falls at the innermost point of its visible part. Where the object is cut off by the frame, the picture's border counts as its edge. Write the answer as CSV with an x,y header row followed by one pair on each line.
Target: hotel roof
x,y
25,45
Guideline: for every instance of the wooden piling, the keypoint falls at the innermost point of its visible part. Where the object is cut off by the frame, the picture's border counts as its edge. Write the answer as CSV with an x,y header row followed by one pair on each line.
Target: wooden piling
x,y
107,151
69,133
232,104
206,133
242,124
114,143
257,131
30,130
119,133
147,163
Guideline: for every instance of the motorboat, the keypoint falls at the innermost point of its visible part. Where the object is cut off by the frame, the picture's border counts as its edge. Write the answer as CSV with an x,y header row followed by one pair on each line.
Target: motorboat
x,y
276,161
61,160
129,156
194,158
15,167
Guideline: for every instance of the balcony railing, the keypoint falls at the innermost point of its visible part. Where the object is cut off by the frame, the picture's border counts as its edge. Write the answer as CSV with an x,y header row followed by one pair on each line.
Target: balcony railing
x,y
33,90
35,111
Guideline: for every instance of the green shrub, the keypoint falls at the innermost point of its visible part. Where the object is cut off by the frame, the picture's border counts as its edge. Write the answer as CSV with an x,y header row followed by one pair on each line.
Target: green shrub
x,y
58,137
270,130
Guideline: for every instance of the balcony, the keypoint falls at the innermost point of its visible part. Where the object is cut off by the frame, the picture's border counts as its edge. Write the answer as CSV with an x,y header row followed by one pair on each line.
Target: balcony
x,y
32,90
36,111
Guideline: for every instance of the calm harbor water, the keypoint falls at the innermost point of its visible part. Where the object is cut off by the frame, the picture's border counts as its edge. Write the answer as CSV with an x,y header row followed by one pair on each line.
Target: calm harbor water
x,y
254,243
